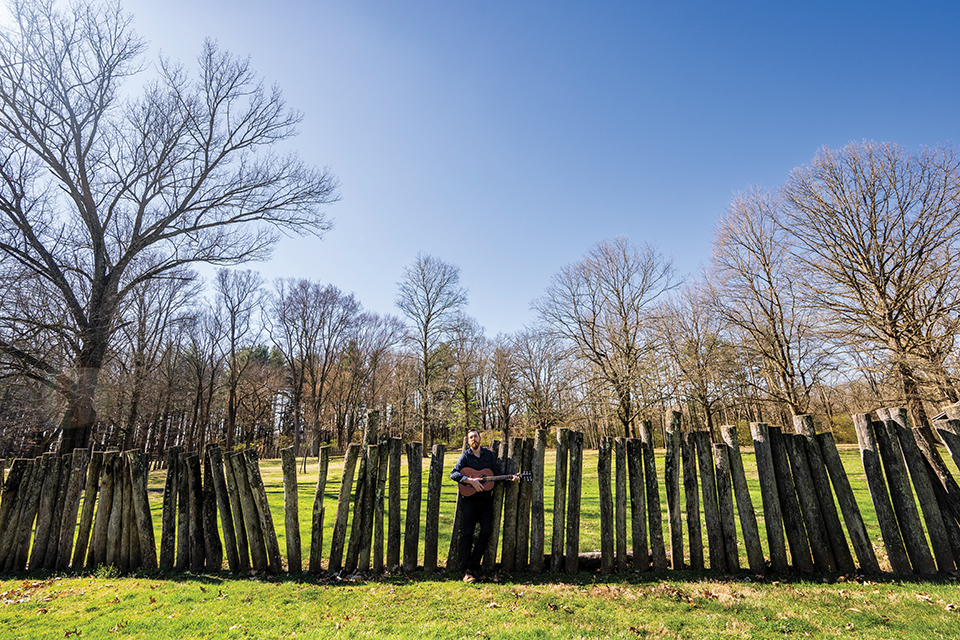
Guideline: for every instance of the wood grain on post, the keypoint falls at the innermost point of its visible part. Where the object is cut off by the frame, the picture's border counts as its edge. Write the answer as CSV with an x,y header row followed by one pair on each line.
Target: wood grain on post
x,y
820,544
728,523
941,472
803,425
259,492
711,506
537,517
411,531
671,477
291,509
369,504
141,507
432,522
691,493
383,452
227,518
50,479
524,504
182,562
745,511
620,501
499,491
53,550
769,496
234,487
198,550
97,555
575,477
904,506
949,432
115,527
28,514
638,505
248,509
859,538
71,507
559,500
356,525
895,423
886,518
394,540
511,498
20,472
319,510
658,549
90,491
168,515
789,505
606,505
211,533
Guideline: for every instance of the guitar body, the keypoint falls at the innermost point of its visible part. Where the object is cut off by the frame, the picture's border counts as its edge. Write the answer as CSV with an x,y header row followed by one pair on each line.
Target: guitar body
x,y
467,490
486,479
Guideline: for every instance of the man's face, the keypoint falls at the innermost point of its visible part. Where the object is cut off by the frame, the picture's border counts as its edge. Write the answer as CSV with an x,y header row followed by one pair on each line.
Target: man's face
x,y
473,439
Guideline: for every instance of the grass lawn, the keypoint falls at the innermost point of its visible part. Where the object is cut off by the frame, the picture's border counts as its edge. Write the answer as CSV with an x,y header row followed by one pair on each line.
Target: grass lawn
x,y
670,604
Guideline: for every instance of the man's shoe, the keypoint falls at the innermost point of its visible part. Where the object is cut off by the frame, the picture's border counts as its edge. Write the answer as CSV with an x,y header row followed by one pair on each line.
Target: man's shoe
x,y
469,578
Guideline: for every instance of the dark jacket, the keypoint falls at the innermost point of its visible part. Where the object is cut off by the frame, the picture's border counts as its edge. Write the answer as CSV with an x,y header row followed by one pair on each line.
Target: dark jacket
x,y
486,460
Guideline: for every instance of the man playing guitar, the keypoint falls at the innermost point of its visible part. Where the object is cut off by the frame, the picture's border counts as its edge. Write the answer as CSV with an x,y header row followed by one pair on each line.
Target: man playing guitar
x,y
474,468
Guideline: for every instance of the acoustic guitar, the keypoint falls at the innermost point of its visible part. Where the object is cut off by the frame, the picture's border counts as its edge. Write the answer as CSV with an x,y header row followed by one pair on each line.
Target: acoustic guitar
x,y
487,480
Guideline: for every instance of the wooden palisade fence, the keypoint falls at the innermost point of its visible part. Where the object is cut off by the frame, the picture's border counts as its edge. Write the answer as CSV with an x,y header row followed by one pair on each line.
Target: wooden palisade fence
x,y
810,515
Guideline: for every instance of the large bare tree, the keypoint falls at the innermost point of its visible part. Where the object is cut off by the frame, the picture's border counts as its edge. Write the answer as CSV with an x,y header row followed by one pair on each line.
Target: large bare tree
x,y
92,183
877,231
429,296
600,306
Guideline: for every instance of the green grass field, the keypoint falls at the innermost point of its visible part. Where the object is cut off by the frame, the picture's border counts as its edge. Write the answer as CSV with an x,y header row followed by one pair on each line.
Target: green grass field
x,y
670,604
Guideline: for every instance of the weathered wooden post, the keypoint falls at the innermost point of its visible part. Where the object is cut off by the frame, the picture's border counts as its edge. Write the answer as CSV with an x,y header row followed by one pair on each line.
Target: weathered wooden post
x,y
411,532
368,507
511,496
638,504
748,517
789,505
213,547
432,525
248,509
870,457
654,517
98,544
263,510
691,493
60,507
338,539
198,550
728,525
115,527
903,450
859,537
86,515
291,509
560,500
803,425
606,505
50,479
319,510
234,492
524,504
904,506
499,492
168,516
671,477
769,496
575,477
393,511
227,518
711,507
141,506
19,552
620,501
15,486
537,523
182,562
949,432
820,546
383,454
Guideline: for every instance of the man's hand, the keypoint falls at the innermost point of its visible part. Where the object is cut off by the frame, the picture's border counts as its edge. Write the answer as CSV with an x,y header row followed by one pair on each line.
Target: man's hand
x,y
476,484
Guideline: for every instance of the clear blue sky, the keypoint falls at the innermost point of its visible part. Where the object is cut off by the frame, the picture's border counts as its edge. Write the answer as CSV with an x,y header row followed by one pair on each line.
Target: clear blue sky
x,y
507,137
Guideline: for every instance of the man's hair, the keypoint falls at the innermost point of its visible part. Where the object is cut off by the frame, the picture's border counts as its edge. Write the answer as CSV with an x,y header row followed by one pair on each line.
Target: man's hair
x,y
476,431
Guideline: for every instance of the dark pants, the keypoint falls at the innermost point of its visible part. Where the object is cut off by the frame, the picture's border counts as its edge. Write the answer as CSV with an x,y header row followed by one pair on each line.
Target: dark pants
x,y
474,510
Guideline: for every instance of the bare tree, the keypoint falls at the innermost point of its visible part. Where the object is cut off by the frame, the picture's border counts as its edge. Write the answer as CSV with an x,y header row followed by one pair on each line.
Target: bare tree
x,y
91,183
430,296
600,306
756,287
876,229
468,350
543,375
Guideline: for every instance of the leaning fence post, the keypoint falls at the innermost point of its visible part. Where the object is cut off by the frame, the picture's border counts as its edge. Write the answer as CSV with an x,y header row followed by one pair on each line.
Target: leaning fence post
x,y
870,458
234,482
338,540
654,517
213,547
820,546
411,537
291,509
141,506
728,525
573,502
227,520
748,517
691,492
168,517
711,507
789,505
89,502
432,525
769,495
319,510
97,555
50,477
